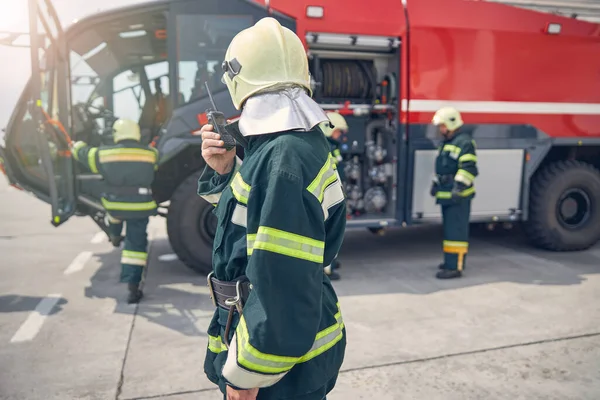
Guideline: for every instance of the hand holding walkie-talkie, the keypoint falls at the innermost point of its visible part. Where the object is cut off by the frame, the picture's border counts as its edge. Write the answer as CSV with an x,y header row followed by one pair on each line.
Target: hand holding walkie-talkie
x,y
228,132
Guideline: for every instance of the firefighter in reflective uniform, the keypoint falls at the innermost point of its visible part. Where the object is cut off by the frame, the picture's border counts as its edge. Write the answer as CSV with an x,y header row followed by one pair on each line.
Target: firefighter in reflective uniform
x,y
278,331
453,188
333,130
128,170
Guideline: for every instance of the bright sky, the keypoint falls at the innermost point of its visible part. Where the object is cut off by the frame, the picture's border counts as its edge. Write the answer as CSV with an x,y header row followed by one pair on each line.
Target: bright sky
x,y
15,65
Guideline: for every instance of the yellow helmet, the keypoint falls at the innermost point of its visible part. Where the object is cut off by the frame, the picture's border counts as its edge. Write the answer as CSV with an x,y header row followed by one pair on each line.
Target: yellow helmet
x,y
337,120
126,129
262,56
448,116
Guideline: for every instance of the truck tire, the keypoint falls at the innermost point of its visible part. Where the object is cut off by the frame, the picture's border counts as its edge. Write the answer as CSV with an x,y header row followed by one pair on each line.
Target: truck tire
x,y
191,226
564,207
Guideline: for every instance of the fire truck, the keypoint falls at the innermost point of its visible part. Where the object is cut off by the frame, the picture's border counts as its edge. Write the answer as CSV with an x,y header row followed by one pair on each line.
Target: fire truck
x,y
527,82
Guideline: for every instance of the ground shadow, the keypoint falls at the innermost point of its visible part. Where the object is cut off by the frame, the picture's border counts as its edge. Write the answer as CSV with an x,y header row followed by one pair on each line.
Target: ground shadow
x,y
174,296
401,261
18,303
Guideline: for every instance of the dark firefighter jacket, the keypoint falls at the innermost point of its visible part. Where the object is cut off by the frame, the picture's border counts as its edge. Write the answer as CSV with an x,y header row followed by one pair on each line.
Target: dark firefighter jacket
x,y
281,218
128,170
334,146
456,167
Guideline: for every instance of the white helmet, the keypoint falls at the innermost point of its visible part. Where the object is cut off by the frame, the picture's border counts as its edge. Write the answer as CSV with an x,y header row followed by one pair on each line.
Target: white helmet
x,y
126,129
337,120
262,56
448,116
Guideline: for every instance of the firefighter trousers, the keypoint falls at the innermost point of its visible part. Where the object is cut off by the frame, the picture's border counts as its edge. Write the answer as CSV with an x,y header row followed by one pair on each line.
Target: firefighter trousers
x,y
456,233
134,255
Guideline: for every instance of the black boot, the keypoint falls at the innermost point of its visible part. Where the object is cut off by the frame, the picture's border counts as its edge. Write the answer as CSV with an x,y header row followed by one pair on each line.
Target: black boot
x,y
135,294
442,266
448,274
116,240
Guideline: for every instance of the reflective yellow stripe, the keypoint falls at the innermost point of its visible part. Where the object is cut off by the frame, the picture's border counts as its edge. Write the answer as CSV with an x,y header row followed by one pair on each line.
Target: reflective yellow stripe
x,y
134,257
451,148
126,155
454,243
216,345
464,176
92,160
467,192
111,205
287,244
448,195
76,147
254,360
240,189
467,157
325,177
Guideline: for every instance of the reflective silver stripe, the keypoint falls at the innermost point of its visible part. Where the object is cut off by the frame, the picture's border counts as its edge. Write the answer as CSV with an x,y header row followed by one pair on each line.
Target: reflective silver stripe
x,y
333,195
241,377
240,215
463,179
212,198
326,339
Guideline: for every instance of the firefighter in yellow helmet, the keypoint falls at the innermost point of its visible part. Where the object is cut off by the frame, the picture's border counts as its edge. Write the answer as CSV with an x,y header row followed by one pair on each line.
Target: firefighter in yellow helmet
x,y
333,130
128,171
453,188
278,331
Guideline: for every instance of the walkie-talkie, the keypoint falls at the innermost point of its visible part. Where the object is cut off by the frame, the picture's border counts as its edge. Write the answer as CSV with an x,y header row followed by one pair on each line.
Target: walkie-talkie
x,y
219,122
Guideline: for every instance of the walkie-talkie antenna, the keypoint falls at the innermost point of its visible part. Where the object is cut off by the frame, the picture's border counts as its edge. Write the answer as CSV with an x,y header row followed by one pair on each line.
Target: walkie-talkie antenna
x,y
212,101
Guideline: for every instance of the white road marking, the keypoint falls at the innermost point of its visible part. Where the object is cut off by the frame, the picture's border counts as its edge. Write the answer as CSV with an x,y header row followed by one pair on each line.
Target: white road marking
x,y
98,238
32,325
168,257
78,263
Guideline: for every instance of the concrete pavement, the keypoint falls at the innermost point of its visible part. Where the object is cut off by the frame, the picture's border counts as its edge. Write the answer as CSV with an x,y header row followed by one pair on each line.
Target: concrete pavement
x,y
522,323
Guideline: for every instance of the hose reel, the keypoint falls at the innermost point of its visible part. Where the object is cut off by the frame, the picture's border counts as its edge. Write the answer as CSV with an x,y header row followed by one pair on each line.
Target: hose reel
x,y
348,79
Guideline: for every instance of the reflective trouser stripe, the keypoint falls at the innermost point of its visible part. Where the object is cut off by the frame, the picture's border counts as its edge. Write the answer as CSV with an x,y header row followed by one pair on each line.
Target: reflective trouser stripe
x,y
134,257
120,206
286,243
458,248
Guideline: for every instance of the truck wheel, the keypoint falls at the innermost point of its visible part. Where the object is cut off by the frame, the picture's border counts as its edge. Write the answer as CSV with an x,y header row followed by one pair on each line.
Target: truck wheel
x,y
564,207
191,226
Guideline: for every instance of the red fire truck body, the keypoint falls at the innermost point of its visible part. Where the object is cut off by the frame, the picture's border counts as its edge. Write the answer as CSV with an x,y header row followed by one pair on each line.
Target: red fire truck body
x,y
526,82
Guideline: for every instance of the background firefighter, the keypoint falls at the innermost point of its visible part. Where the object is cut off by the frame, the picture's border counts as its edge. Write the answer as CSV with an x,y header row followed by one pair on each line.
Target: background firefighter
x,y
128,170
453,188
333,130
281,218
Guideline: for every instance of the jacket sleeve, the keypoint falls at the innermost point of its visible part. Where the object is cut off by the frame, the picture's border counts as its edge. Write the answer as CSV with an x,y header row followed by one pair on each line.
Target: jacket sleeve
x,y
467,164
211,184
86,155
286,246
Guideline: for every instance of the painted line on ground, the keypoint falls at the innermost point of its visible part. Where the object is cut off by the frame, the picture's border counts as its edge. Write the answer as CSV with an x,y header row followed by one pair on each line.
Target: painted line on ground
x,y
32,325
98,238
78,263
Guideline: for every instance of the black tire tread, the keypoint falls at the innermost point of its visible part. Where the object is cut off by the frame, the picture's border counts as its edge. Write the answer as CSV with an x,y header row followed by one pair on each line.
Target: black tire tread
x,y
179,197
535,227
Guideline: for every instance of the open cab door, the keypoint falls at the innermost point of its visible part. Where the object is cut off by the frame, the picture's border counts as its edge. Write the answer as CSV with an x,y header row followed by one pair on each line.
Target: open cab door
x,y
35,151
